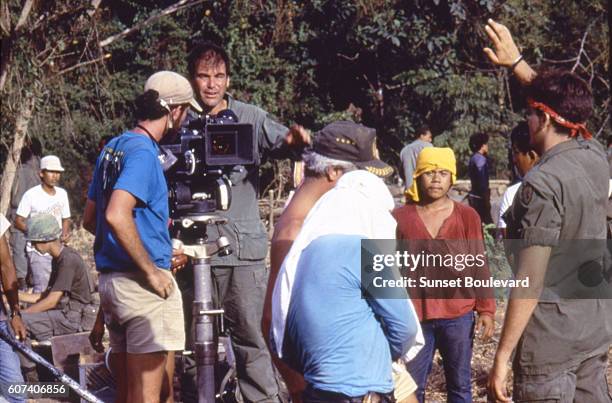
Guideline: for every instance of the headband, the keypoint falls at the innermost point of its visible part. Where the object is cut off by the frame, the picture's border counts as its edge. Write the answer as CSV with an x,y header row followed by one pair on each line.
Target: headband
x,y
574,127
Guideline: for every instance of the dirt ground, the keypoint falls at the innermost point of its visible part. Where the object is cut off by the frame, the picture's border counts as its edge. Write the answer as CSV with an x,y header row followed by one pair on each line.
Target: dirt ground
x,y
482,361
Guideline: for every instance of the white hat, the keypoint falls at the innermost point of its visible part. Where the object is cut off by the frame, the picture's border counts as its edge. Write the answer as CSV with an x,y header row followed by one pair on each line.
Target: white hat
x,y
173,89
51,163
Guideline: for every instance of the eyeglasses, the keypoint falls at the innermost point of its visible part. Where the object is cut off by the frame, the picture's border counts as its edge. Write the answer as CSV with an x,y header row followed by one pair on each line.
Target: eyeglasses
x,y
443,174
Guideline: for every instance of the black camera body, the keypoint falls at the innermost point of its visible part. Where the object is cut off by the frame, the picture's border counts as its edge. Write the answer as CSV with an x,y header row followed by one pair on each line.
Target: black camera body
x,y
198,163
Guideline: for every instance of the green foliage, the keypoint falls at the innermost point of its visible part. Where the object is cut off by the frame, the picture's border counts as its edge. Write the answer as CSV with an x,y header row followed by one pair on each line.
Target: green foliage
x,y
391,64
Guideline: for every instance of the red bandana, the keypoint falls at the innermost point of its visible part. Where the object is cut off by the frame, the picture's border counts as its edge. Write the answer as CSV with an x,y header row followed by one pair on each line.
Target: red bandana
x,y
575,127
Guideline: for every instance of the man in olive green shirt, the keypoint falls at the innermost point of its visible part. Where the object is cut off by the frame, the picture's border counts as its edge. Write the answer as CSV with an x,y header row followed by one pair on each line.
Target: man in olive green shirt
x,y
559,334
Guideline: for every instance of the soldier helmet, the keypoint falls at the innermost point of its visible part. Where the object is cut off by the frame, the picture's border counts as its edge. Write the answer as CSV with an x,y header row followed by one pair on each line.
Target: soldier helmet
x,y
43,228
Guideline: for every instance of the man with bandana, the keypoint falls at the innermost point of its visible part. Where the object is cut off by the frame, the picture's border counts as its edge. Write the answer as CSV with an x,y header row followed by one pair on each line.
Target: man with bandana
x,y
560,338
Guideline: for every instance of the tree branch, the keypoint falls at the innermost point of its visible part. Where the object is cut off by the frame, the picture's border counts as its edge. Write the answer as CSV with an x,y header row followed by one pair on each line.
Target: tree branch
x,y
582,42
25,12
602,126
572,59
351,58
94,7
76,66
168,10
12,160
5,18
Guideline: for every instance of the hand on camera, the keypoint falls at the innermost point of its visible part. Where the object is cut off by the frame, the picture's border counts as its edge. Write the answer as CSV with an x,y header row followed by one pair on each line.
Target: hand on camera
x,y
179,260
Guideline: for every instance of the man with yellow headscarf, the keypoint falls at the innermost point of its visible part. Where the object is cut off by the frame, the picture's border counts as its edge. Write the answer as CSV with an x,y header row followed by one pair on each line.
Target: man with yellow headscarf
x,y
446,226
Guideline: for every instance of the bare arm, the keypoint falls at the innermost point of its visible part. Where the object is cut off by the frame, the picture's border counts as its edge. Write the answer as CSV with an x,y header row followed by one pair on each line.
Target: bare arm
x,y
283,238
9,278
97,333
121,221
89,216
30,298
9,285
280,245
49,302
66,227
505,52
532,264
20,224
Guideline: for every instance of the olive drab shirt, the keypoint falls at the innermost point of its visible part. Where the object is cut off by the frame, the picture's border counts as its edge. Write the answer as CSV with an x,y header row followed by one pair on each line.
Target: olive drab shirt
x,y
562,204
244,230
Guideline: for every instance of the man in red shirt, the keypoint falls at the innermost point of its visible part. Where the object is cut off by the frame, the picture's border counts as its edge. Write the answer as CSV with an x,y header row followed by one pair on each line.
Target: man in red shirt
x,y
442,225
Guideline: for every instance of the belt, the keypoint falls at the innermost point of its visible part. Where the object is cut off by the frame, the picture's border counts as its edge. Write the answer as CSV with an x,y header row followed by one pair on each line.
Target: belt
x,y
312,395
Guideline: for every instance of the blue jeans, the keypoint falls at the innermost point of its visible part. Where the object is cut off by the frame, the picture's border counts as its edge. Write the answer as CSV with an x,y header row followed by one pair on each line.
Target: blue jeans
x,y
9,367
453,338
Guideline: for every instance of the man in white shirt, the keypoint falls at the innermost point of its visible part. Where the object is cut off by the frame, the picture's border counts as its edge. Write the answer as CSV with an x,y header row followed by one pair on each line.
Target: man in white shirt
x,y
524,158
50,199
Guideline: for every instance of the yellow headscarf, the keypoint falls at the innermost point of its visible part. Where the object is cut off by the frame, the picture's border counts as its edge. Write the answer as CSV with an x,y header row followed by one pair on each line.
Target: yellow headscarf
x,y
430,159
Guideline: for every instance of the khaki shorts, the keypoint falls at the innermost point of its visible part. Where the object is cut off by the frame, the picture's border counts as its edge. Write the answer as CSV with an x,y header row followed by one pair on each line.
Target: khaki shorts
x,y
138,320
404,385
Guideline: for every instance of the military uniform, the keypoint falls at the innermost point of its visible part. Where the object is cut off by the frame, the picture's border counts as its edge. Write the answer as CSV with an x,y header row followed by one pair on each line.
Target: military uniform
x,y
241,278
562,354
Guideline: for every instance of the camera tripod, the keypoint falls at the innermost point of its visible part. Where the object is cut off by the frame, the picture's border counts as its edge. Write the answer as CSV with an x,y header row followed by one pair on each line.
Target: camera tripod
x,y
204,313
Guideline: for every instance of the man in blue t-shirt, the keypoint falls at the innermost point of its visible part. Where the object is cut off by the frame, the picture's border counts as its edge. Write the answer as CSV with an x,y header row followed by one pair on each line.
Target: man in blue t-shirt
x,y
127,210
339,333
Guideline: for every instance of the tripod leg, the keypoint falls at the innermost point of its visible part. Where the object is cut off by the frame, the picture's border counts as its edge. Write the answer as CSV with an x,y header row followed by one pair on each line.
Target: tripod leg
x,y
204,345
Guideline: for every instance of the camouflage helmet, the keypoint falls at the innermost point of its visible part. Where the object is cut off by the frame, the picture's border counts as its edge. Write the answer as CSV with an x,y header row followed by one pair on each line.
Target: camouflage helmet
x,y
43,228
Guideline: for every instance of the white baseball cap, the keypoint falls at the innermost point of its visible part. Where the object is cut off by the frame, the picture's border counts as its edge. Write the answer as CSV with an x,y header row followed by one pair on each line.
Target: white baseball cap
x,y
51,163
173,89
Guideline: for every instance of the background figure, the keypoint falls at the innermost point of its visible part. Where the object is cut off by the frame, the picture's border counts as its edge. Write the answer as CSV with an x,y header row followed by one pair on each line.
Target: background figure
x,y
410,153
26,177
479,197
67,305
45,198
9,321
524,158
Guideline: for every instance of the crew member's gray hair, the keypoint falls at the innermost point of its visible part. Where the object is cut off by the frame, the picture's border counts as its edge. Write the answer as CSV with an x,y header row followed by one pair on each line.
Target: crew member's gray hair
x,y
315,164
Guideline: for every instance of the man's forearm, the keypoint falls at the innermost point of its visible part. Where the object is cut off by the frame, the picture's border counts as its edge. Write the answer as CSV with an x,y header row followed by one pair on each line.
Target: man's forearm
x,y
533,262
8,276
20,224
43,305
29,298
524,73
66,225
518,313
